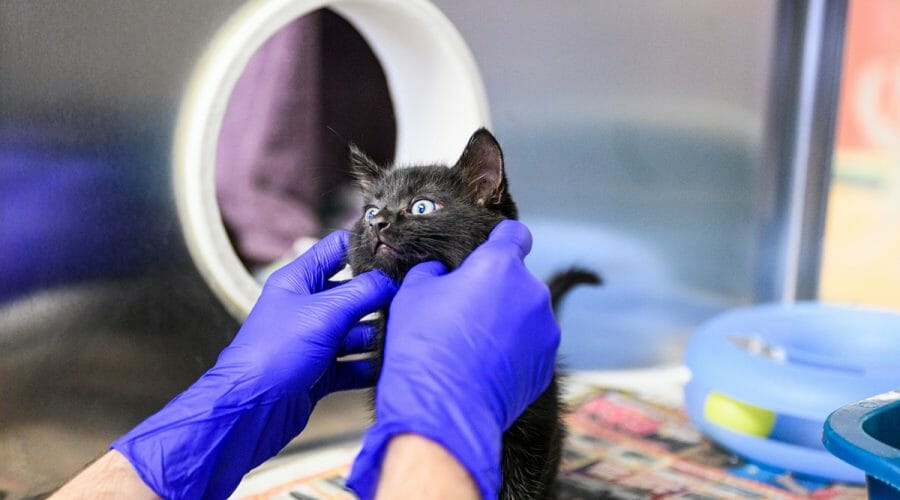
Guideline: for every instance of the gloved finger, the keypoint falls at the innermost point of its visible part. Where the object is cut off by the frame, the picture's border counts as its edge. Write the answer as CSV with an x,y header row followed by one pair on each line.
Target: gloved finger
x,y
344,376
424,270
360,338
512,232
358,297
309,273
356,374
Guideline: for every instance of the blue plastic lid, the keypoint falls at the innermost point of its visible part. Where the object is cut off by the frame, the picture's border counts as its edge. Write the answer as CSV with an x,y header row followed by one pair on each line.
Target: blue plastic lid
x,y
866,434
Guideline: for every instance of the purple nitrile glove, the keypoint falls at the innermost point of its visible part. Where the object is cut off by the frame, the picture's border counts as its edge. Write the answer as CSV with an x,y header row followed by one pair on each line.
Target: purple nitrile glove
x,y
263,387
465,353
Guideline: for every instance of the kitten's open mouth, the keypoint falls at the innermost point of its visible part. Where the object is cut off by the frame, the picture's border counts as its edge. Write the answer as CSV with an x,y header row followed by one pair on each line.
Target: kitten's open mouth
x,y
383,248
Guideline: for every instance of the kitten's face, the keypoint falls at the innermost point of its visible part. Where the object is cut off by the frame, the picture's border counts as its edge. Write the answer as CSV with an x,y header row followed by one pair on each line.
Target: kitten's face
x,y
424,213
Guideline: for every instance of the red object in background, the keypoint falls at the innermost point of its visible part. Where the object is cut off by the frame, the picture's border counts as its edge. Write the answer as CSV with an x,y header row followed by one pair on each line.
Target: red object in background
x,y
869,116
621,416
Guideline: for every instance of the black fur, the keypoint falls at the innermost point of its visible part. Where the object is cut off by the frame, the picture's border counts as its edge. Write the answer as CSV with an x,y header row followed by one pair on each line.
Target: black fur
x,y
473,197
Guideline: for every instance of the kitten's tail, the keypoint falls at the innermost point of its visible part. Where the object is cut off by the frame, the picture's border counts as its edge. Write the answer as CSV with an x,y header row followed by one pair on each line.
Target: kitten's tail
x,y
561,282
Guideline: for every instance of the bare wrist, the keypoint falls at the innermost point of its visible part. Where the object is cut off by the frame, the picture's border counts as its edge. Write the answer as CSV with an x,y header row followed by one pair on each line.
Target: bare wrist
x,y
110,476
416,467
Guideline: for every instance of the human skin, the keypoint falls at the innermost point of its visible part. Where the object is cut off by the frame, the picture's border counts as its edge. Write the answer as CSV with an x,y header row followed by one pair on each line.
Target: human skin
x,y
414,467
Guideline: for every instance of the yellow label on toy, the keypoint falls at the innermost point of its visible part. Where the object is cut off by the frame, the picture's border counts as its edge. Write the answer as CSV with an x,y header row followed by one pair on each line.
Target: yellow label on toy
x,y
738,416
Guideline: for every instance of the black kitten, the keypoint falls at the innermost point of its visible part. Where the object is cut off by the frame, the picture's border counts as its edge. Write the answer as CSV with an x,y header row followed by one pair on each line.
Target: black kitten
x,y
420,213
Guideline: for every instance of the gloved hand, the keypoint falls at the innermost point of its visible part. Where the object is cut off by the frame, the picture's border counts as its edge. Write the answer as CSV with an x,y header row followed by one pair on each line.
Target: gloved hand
x,y
263,387
465,353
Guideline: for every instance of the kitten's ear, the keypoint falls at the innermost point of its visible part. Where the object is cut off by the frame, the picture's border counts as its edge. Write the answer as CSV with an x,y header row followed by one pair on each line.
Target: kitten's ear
x,y
364,169
481,168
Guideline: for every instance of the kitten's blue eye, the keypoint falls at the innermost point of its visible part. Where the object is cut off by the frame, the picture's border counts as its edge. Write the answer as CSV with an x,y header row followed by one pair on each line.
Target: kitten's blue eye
x,y
371,213
422,207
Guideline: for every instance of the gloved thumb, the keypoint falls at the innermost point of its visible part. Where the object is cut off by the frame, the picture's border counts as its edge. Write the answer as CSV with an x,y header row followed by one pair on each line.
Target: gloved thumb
x,y
309,273
423,271
511,232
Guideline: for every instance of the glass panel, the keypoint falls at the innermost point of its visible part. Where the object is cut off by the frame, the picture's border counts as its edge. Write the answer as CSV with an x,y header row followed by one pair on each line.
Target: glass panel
x,y
633,139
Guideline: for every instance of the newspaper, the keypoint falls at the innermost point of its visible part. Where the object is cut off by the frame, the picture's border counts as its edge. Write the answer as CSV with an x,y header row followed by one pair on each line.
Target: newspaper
x,y
633,443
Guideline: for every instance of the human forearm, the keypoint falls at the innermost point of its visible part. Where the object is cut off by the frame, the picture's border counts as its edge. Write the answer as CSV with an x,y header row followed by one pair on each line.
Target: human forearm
x,y
416,467
111,476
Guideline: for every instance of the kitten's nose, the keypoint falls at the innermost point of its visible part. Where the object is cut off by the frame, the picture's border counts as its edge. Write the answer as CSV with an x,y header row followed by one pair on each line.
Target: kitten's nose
x,y
379,223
